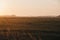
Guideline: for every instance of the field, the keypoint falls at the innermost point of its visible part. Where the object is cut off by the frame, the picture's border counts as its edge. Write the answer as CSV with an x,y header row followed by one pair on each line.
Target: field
x,y
29,28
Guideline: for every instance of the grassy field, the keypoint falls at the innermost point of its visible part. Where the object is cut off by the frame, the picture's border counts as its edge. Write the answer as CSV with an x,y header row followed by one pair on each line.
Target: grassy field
x,y
30,23
29,28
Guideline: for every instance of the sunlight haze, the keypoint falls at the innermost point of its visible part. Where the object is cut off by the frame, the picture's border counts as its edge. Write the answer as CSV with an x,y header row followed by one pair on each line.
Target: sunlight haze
x,y
30,7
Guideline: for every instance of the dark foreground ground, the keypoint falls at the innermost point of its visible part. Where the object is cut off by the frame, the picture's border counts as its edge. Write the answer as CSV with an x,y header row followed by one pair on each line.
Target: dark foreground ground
x,y
29,35
29,28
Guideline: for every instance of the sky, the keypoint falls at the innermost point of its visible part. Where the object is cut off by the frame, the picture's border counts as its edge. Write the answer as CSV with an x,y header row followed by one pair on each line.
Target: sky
x,y
30,7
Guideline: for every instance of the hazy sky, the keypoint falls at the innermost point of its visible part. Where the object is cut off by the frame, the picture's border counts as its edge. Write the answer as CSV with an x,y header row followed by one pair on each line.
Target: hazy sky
x,y
30,7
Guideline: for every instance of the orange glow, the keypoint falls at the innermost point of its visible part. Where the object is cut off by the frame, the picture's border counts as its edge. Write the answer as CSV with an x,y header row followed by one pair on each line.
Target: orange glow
x,y
30,7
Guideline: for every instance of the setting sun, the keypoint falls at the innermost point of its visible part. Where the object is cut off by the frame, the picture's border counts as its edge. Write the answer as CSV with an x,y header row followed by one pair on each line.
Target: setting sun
x,y
2,7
